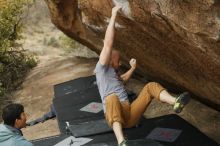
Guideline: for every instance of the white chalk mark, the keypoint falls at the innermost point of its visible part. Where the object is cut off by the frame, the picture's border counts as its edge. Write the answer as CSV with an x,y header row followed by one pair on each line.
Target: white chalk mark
x,y
85,20
96,28
125,7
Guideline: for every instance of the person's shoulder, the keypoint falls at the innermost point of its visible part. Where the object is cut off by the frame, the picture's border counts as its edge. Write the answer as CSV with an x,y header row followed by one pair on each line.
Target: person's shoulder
x,y
21,141
100,67
3,127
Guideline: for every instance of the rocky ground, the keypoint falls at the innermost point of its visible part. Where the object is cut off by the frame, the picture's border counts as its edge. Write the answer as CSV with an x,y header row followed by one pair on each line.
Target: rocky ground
x,y
56,66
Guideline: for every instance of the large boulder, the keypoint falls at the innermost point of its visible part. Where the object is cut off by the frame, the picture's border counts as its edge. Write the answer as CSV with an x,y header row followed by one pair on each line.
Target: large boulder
x,y
173,41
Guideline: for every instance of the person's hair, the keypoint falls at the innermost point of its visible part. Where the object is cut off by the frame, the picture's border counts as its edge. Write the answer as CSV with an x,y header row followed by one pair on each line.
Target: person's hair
x,y
12,112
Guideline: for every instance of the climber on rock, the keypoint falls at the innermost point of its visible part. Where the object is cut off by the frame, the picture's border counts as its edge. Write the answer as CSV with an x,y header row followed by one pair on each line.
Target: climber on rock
x,y
119,113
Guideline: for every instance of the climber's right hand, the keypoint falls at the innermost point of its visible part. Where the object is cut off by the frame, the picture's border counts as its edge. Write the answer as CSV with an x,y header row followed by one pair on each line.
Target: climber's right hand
x,y
116,9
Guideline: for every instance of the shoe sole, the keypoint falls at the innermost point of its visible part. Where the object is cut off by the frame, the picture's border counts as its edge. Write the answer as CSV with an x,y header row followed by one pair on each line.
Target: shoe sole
x,y
184,100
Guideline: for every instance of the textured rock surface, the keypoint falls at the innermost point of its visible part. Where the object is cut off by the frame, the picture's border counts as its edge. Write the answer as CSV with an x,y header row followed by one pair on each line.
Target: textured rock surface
x,y
174,41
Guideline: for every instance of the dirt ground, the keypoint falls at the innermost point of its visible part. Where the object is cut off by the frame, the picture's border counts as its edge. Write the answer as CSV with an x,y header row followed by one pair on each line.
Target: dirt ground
x,y
56,66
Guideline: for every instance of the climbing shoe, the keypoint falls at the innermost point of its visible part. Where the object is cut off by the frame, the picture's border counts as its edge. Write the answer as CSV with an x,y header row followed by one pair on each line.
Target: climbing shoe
x,y
123,143
181,101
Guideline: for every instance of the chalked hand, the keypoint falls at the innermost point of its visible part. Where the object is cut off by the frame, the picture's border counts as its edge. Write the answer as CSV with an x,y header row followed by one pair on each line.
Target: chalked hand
x,y
133,63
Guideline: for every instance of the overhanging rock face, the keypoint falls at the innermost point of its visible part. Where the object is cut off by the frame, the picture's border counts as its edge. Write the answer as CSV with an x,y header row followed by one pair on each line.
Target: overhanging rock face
x,y
174,41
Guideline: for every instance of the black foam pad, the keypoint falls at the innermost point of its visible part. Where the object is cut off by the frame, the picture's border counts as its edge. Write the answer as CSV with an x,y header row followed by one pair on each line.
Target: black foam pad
x,y
49,141
68,107
72,100
190,136
72,86
90,128
138,142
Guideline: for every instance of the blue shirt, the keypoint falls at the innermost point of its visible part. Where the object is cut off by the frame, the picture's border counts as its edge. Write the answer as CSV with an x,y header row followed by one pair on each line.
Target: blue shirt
x,y
10,136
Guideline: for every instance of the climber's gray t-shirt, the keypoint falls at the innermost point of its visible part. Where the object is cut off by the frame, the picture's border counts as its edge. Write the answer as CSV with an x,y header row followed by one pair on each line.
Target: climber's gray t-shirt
x,y
109,82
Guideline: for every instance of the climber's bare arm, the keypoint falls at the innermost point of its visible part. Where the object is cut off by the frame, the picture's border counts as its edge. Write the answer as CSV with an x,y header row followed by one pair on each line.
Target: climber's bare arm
x,y
126,76
109,39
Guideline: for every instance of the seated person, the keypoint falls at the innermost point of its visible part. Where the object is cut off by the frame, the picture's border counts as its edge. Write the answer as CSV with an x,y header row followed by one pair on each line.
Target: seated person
x,y
14,119
119,112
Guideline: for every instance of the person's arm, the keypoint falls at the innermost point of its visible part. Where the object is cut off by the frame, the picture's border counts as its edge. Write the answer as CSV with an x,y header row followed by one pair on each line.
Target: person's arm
x,y
109,38
126,76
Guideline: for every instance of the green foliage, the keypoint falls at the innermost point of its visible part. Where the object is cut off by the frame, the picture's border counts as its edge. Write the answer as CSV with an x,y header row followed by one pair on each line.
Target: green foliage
x,y
73,47
69,44
2,90
15,62
51,42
